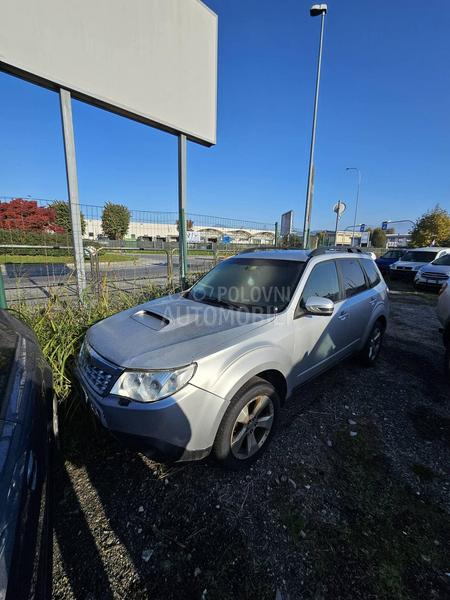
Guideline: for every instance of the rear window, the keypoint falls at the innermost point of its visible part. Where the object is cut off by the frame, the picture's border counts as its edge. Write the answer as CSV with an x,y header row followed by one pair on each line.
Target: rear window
x,y
353,277
371,272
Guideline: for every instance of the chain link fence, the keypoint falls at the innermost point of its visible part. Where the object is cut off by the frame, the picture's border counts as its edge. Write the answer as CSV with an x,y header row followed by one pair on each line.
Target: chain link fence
x,y
36,254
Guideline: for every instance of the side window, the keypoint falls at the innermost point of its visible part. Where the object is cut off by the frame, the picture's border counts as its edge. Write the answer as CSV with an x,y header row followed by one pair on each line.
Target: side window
x,y
323,282
371,272
352,276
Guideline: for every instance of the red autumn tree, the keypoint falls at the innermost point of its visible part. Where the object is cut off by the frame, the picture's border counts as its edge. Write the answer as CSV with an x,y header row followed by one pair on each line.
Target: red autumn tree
x,y
26,215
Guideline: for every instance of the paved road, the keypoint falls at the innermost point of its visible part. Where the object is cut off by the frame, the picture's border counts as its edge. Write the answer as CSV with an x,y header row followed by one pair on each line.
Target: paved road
x,y
35,282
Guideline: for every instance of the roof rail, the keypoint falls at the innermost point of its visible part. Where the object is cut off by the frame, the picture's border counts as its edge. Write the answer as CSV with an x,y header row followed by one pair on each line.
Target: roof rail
x,y
326,249
259,248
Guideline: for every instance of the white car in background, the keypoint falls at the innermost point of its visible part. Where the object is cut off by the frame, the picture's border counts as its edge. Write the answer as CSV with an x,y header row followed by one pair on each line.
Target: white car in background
x,y
435,274
443,313
413,260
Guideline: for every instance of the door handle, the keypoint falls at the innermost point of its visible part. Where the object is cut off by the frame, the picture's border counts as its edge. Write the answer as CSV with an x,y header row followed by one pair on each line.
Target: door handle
x,y
343,316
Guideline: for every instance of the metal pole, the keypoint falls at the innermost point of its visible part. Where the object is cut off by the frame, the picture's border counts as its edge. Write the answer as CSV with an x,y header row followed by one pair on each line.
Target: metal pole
x,y
276,233
182,182
72,188
310,187
337,223
3,303
356,207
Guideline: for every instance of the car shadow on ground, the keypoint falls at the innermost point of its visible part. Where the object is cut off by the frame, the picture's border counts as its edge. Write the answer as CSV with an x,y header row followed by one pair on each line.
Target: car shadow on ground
x,y
346,503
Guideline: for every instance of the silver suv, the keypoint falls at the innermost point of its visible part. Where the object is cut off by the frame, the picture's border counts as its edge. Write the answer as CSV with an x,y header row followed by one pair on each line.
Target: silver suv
x,y
443,313
207,369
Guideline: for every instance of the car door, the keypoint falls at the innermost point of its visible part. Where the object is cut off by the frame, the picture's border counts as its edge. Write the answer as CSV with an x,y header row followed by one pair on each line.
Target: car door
x,y
318,339
359,302
25,431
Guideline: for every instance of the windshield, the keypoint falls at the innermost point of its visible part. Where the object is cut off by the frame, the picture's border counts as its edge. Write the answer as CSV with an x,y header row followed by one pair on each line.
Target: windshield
x,y
418,256
443,260
393,254
257,284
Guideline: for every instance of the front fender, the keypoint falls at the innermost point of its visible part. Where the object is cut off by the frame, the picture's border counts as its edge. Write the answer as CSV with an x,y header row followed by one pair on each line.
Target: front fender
x,y
247,365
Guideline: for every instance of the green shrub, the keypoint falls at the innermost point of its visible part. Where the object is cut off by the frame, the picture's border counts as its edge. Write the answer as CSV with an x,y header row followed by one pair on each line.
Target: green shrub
x,y
39,238
60,325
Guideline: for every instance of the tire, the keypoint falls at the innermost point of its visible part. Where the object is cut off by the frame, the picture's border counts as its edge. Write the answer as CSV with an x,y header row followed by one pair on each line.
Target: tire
x,y
259,399
447,362
372,347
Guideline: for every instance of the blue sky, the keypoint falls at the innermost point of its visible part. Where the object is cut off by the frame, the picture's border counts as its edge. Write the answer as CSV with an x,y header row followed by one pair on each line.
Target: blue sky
x,y
384,107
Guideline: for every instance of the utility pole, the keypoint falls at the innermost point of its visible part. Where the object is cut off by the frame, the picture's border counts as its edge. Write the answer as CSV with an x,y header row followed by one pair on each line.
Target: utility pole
x,y
316,10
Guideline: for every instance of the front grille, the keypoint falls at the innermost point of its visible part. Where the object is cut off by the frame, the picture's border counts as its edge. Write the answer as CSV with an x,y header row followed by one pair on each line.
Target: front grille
x,y
429,275
99,374
404,268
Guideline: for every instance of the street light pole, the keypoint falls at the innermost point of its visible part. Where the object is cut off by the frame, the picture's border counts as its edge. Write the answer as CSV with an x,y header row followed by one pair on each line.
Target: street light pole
x,y
316,10
357,199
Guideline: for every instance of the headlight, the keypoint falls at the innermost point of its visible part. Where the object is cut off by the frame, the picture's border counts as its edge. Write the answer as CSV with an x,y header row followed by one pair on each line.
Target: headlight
x,y
149,386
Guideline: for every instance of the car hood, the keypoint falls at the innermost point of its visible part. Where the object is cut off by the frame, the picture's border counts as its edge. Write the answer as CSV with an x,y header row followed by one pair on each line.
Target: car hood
x,y
407,263
430,268
170,332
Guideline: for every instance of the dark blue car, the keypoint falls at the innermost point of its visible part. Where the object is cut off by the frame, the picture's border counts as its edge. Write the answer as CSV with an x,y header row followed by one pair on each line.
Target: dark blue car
x,y
388,259
26,441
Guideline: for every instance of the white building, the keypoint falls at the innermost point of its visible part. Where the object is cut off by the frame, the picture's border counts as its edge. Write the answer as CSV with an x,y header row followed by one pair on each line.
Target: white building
x,y
168,232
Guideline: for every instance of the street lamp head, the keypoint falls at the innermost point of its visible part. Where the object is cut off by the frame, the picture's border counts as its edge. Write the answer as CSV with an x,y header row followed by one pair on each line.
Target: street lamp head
x,y
318,9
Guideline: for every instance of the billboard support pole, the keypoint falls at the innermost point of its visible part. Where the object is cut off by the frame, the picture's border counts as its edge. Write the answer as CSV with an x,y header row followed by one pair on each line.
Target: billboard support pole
x,y
72,188
182,183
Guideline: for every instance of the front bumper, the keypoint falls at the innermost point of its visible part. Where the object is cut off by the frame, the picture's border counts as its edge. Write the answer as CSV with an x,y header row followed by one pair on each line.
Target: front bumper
x,y
179,427
429,283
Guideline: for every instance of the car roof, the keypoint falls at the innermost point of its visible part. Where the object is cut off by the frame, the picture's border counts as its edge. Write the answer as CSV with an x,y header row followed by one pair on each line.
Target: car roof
x,y
276,254
428,249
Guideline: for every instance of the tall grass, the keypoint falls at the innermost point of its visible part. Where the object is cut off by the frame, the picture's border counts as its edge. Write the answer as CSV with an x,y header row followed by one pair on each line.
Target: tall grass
x,y
60,324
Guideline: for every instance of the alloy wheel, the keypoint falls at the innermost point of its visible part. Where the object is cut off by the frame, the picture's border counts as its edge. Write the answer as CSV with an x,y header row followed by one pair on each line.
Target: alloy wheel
x,y
252,427
374,343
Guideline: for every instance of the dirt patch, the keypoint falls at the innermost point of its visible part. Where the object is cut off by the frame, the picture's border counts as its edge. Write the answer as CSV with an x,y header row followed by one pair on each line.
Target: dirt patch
x,y
350,501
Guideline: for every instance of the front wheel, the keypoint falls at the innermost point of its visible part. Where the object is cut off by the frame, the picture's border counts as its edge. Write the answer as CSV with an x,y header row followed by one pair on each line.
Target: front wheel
x,y
372,347
248,424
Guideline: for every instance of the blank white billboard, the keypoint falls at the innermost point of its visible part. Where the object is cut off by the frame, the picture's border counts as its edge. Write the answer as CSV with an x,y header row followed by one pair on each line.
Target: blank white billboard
x,y
151,60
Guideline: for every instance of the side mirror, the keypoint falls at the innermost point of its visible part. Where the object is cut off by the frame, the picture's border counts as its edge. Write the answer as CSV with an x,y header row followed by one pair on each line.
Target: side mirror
x,y
319,306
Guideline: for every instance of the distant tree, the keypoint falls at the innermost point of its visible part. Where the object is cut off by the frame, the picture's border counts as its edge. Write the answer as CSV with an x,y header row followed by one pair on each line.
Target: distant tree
x,y
26,215
115,221
62,216
433,227
291,241
322,237
378,238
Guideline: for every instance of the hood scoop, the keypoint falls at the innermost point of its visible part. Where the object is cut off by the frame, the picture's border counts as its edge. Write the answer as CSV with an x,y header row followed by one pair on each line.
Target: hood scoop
x,y
150,319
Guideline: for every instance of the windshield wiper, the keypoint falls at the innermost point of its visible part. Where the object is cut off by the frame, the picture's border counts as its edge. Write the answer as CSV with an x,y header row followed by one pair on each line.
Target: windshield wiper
x,y
215,302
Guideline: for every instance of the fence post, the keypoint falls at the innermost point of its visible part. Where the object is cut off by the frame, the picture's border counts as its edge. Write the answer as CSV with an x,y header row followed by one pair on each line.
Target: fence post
x,y
2,291
169,253
72,187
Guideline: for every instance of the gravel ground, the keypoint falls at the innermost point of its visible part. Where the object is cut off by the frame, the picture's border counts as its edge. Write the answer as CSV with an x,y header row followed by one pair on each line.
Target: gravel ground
x,y
351,500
